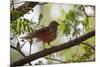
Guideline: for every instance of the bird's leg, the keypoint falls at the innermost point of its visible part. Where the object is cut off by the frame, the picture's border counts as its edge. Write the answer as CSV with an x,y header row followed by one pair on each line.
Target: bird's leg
x,y
30,49
43,46
49,44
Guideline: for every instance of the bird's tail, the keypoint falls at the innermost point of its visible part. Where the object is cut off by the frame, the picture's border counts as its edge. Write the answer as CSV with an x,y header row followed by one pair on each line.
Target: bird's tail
x,y
29,36
26,37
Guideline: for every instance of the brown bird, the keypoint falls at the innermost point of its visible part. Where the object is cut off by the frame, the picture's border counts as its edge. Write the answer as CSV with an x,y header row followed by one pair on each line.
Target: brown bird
x,y
46,34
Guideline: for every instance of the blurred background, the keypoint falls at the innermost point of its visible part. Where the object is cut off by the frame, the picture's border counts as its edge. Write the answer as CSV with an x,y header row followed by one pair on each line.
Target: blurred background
x,y
74,19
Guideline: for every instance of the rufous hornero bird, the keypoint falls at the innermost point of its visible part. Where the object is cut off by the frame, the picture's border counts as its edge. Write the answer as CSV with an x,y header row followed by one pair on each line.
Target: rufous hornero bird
x,y
46,34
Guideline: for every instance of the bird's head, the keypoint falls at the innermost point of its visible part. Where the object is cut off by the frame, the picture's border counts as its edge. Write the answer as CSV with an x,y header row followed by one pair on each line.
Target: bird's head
x,y
54,23
53,26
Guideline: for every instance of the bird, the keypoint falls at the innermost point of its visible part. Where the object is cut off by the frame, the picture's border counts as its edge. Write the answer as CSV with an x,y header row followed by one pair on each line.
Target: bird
x,y
46,34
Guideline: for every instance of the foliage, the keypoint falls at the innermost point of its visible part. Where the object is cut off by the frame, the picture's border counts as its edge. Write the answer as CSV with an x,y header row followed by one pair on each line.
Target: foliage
x,y
69,22
21,26
69,25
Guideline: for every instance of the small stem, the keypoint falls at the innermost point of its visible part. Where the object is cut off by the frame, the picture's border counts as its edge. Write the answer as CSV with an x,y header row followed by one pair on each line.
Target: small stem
x,y
55,59
19,2
30,50
88,45
42,3
22,45
19,52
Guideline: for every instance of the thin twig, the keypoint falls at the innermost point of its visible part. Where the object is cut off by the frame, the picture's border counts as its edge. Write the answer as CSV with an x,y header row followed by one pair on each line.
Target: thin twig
x,y
49,51
23,9
30,49
55,59
19,52
13,5
22,45
82,61
88,45
83,8
19,2
43,3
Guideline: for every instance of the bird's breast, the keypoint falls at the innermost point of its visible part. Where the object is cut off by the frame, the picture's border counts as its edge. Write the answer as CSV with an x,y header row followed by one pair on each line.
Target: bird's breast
x,y
48,36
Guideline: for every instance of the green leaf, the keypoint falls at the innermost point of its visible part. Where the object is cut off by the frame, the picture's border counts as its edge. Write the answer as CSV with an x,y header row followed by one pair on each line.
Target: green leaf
x,y
31,41
64,28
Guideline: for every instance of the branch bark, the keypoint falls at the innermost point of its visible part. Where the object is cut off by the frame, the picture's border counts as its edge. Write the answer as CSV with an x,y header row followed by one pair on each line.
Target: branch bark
x,y
48,51
19,52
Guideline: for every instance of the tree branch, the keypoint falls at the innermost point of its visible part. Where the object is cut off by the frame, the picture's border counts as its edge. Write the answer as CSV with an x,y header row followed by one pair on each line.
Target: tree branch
x,y
19,52
83,8
88,45
48,51
21,10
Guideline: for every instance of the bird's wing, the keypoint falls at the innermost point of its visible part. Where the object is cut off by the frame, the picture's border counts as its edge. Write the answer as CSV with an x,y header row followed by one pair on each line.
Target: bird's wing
x,y
42,31
36,33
